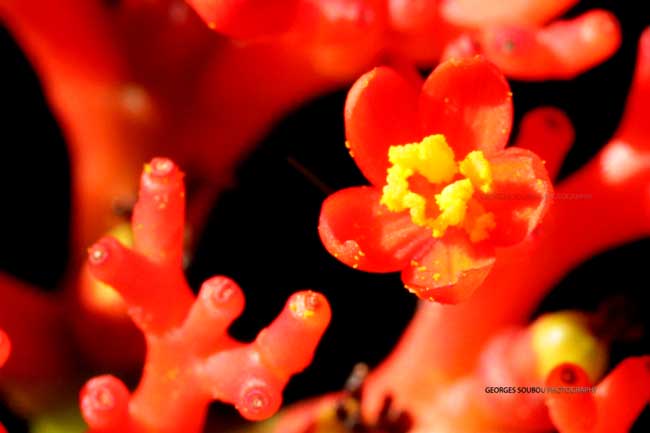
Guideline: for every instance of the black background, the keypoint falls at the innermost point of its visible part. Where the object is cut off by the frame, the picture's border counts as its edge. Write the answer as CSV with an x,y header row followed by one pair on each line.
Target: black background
x,y
263,231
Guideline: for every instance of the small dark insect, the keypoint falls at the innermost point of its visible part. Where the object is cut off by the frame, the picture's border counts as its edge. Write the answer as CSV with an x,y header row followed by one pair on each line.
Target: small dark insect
x,y
348,411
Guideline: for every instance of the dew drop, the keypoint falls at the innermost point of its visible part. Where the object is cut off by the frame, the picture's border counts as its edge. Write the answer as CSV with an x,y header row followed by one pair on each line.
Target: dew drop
x,y
97,254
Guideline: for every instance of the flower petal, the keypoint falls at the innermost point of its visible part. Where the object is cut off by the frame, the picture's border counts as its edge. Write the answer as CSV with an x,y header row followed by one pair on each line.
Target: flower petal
x,y
364,234
380,111
520,196
450,270
469,101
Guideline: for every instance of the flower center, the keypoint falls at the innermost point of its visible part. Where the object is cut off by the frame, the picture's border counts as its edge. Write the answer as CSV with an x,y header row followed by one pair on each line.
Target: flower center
x,y
454,184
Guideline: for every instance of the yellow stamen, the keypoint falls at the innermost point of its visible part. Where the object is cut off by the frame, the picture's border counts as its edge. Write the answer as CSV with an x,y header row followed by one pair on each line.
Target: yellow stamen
x,y
477,169
434,160
452,202
397,187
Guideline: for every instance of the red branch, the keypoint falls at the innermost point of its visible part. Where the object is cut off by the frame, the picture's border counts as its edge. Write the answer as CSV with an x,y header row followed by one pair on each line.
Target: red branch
x,y
191,360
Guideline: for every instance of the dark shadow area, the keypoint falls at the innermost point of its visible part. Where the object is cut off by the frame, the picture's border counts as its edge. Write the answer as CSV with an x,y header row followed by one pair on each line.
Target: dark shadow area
x,y
34,178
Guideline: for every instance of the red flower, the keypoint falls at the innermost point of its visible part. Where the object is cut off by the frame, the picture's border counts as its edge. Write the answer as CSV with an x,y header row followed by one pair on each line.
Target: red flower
x,y
445,191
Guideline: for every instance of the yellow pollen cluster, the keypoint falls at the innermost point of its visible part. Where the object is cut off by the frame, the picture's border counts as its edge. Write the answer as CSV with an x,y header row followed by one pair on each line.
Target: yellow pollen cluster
x,y
434,160
477,169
